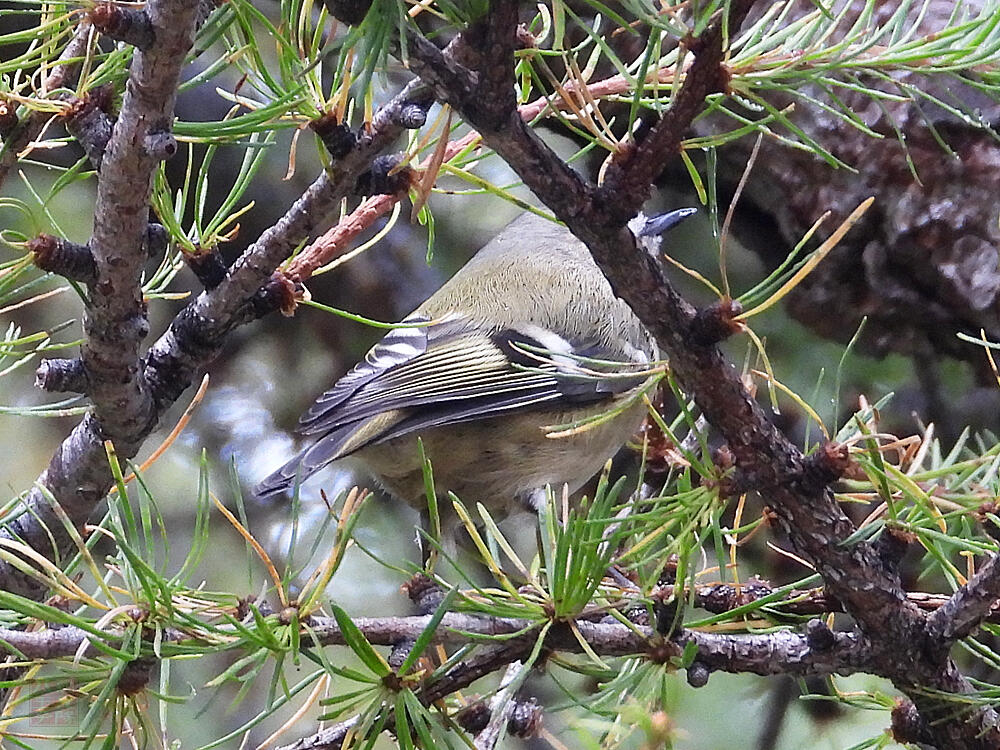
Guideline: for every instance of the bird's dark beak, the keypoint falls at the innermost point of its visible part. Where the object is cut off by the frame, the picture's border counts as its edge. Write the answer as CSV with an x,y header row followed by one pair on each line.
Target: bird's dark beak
x,y
657,225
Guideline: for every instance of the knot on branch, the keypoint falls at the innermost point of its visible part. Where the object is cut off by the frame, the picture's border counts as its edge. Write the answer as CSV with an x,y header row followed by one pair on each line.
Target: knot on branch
x,y
725,597
279,293
160,144
208,266
825,465
819,637
399,652
61,376
129,25
387,176
155,240
91,126
665,606
716,323
525,719
698,674
130,328
892,544
411,116
337,137
8,117
907,726
350,12
475,717
663,651
70,260
424,592
136,675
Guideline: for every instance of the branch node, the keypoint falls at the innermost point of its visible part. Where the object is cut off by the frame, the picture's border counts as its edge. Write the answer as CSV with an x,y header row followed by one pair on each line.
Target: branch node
x,y
8,117
337,137
819,637
474,717
156,239
208,265
350,12
663,651
892,544
160,145
826,465
61,376
135,676
907,726
129,25
698,674
716,323
386,177
526,719
411,116
70,260
399,653
88,120
725,597
665,608
424,592
279,293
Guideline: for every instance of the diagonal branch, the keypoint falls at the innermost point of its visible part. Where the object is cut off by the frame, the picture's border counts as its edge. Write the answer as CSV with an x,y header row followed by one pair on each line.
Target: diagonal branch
x,y
78,475
805,507
629,179
968,607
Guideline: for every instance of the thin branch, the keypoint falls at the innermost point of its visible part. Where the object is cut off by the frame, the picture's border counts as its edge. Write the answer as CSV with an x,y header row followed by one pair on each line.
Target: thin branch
x,y
970,606
78,475
782,652
629,180
63,74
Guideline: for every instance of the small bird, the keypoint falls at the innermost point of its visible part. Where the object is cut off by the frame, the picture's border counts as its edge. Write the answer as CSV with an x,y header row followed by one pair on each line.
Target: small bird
x,y
527,337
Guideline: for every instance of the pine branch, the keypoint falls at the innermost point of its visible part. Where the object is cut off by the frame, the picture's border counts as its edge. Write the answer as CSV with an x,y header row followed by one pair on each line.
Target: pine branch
x,y
768,462
63,74
78,475
968,608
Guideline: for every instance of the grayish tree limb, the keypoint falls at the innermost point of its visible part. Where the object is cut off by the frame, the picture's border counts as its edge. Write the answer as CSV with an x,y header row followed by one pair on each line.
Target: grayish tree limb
x,y
806,509
63,74
968,607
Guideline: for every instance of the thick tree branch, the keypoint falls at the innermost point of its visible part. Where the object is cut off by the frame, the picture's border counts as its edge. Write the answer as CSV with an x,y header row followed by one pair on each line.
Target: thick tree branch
x,y
806,510
115,322
969,607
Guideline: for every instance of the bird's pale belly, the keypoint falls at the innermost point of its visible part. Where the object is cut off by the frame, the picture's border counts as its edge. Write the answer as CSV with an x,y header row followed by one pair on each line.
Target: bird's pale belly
x,y
480,463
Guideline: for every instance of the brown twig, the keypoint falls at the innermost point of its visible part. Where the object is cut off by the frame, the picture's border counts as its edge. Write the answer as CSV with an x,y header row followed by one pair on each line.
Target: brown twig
x,y
63,74
807,513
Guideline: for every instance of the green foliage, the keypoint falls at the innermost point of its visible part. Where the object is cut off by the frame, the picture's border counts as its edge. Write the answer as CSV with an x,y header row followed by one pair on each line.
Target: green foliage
x,y
616,556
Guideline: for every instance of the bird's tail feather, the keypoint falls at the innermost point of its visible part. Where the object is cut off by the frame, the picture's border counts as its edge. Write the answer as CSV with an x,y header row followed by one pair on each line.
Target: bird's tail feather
x,y
330,447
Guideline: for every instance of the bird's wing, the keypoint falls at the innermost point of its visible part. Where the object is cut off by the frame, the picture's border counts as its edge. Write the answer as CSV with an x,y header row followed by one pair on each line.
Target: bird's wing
x,y
451,371
433,373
